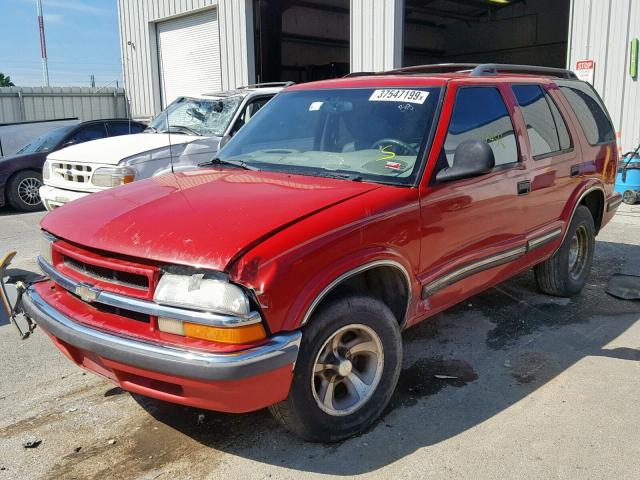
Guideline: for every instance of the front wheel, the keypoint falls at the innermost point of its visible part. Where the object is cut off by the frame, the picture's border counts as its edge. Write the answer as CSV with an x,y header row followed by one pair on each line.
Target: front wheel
x,y
566,272
23,191
347,370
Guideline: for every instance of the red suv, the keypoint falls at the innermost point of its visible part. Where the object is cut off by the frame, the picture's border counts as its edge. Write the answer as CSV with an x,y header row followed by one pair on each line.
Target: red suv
x,y
282,273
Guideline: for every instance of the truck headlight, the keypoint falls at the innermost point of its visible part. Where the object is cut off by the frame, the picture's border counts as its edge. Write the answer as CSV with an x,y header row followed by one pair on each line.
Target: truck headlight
x,y
46,240
113,176
46,170
198,292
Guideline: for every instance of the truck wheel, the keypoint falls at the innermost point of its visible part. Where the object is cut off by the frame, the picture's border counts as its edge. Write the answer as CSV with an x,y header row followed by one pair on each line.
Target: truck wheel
x,y
629,197
347,369
566,272
22,191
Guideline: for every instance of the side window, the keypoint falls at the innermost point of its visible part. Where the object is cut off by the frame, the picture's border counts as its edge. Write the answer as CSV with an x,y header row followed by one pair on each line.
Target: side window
x,y
563,132
248,112
590,112
481,114
543,127
85,134
124,128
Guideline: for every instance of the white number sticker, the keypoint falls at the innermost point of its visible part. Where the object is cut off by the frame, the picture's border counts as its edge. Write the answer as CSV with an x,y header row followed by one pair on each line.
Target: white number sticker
x,y
315,106
397,95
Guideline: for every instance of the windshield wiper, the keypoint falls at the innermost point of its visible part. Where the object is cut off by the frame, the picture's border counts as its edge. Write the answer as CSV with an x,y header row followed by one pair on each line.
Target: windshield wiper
x,y
233,163
354,177
182,127
151,128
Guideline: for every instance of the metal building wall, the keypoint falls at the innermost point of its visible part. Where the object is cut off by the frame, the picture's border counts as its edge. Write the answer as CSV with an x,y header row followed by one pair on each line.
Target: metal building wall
x,y
139,46
602,30
376,34
27,104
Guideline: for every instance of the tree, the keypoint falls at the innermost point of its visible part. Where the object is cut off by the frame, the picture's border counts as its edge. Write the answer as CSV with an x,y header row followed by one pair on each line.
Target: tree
x,y
5,81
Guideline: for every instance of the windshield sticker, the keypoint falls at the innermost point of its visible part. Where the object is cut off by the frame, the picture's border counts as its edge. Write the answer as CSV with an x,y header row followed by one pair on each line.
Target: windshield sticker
x,y
398,95
387,154
393,165
407,107
315,106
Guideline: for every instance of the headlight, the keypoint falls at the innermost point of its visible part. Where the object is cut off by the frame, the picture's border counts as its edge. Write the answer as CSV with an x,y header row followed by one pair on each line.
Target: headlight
x,y
113,176
46,170
46,240
207,294
201,293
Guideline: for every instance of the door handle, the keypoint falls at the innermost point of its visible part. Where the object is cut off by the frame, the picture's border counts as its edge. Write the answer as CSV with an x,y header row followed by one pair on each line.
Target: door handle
x,y
575,170
524,187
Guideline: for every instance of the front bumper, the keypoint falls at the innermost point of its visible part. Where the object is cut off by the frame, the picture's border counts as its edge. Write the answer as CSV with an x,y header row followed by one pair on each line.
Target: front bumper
x,y
233,382
53,197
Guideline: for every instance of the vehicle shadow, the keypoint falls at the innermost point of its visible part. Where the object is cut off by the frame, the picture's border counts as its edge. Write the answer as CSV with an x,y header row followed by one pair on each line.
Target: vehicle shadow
x,y
488,353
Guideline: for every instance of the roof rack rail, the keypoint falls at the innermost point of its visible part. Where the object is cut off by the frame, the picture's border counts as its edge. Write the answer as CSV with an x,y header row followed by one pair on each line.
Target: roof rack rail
x,y
474,70
268,84
495,68
435,68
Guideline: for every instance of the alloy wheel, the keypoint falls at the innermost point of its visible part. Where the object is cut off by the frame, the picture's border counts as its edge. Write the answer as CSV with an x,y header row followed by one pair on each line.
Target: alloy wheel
x,y
28,190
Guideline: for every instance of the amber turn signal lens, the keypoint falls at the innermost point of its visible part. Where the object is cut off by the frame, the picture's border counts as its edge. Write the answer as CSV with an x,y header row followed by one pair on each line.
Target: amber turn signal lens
x,y
128,179
237,335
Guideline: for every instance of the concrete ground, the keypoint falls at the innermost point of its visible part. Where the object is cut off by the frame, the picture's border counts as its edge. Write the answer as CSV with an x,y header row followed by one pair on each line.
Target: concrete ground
x,y
544,388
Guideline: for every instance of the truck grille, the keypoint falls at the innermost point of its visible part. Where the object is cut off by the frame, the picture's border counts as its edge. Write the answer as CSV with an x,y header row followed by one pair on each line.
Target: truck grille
x,y
112,274
71,172
108,275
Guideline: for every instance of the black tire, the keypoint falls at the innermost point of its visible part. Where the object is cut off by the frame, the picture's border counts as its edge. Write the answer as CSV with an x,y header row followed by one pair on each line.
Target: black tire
x,y
20,191
630,197
300,412
566,272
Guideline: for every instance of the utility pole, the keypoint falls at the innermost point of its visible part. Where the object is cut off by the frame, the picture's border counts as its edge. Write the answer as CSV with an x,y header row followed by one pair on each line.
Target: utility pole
x,y
92,79
43,45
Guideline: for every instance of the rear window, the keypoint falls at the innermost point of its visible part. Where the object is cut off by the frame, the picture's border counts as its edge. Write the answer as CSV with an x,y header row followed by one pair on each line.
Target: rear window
x,y
590,111
545,127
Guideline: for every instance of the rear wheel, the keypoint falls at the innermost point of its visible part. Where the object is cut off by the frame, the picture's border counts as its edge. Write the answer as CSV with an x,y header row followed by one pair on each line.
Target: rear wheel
x,y
347,370
23,191
629,197
566,272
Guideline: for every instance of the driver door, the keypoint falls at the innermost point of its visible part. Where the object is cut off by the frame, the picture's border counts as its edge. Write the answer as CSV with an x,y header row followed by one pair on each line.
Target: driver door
x,y
472,225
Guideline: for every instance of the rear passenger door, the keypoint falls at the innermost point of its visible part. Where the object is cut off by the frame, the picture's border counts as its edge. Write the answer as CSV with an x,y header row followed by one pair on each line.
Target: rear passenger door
x,y
551,156
472,225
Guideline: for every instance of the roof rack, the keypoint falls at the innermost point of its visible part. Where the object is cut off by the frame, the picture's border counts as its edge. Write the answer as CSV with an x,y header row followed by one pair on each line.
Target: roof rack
x,y
268,84
475,70
495,68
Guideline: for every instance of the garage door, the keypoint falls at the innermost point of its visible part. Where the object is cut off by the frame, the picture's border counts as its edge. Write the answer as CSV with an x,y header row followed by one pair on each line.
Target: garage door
x,y
189,55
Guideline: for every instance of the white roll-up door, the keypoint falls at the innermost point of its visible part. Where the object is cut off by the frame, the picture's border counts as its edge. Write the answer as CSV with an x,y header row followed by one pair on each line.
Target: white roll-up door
x,y
189,55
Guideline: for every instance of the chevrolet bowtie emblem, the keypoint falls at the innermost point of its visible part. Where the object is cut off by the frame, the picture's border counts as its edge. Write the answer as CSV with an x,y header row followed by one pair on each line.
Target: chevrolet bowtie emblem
x,y
87,292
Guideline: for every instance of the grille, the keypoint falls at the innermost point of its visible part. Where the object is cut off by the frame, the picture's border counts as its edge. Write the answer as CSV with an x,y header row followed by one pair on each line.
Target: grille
x,y
71,172
117,277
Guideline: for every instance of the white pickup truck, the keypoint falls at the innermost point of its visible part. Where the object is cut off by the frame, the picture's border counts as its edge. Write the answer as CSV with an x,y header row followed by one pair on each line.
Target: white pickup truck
x,y
189,131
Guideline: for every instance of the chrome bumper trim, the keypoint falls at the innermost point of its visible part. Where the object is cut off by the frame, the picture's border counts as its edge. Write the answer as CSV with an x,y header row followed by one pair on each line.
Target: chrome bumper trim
x,y
280,350
145,306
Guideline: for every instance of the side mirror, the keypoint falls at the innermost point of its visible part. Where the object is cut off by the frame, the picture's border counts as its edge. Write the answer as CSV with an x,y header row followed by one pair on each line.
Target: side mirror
x,y
223,141
471,159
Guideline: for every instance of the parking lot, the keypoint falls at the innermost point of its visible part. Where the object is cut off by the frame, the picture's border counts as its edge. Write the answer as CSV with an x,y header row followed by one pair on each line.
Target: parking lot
x,y
509,384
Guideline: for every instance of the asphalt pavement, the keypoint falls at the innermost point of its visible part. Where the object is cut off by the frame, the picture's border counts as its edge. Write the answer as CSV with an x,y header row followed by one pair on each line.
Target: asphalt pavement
x,y
541,387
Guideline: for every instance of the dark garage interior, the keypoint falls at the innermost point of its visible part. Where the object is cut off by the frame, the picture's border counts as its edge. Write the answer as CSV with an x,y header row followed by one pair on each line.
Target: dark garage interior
x,y
530,32
301,40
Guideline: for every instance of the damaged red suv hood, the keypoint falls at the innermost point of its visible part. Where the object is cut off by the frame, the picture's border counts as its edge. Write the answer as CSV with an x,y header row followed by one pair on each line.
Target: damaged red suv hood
x,y
202,218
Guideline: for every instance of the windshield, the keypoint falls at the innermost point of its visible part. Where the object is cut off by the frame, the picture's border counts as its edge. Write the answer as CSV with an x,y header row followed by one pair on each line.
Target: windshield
x,y
197,116
364,133
45,142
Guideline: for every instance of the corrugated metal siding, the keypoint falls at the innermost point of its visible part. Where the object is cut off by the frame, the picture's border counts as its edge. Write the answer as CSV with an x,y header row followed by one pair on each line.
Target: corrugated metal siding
x,y
602,30
140,57
26,104
376,34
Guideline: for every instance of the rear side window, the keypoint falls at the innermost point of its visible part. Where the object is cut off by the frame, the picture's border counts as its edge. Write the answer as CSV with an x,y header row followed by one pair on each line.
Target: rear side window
x,y
124,128
481,114
545,126
591,113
